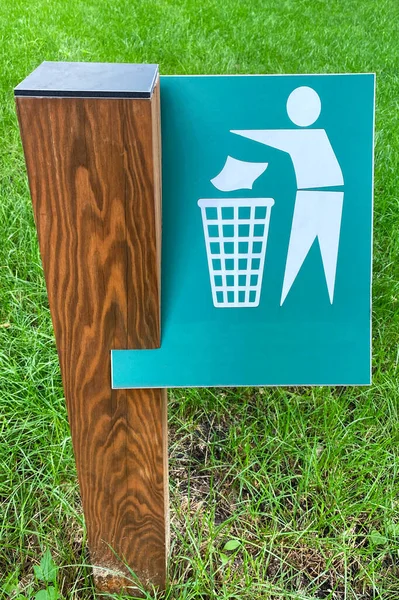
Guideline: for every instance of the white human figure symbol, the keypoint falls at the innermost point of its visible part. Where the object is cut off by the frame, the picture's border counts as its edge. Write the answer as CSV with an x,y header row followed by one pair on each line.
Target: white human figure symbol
x,y
317,213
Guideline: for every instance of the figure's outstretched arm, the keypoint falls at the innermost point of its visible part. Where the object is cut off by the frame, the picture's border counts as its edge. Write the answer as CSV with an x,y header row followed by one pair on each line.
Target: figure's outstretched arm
x,y
312,155
281,139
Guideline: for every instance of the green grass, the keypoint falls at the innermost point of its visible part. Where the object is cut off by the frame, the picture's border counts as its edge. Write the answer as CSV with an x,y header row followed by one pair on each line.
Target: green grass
x,y
305,479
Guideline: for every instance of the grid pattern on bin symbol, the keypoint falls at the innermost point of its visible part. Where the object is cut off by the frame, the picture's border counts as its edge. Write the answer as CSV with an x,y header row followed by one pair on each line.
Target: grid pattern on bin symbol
x,y
236,239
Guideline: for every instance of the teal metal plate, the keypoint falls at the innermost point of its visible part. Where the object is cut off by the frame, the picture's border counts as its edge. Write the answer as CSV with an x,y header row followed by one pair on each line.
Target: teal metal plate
x,y
267,233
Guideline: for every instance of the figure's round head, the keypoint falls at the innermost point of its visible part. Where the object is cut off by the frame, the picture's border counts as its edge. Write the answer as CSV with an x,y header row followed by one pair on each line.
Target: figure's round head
x,y
303,106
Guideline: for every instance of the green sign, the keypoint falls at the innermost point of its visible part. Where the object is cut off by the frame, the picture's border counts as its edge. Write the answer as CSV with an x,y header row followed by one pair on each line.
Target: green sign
x,y
267,233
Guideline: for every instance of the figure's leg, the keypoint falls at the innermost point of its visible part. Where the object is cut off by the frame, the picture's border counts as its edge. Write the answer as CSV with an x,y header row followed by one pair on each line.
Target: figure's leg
x,y
329,232
316,215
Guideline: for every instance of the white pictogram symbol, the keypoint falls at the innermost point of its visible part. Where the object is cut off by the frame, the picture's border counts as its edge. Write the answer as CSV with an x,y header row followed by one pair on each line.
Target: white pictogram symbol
x,y
236,229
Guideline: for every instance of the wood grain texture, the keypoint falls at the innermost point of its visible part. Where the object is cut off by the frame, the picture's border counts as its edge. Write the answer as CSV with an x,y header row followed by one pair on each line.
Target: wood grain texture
x,y
95,184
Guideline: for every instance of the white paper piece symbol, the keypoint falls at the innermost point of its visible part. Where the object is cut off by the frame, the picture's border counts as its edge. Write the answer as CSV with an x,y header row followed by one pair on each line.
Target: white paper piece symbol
x,y
238,175
316,214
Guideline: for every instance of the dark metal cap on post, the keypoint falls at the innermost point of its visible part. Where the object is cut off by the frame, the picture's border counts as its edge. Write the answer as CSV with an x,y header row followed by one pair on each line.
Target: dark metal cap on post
x,y
89,80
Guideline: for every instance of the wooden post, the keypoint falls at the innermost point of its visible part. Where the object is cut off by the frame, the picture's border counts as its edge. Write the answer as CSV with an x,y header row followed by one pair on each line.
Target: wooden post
x,y
91,138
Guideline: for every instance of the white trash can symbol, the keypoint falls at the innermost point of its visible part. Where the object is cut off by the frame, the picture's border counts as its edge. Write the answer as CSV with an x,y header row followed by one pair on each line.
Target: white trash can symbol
x,y
236,232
